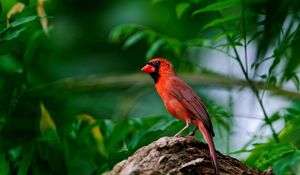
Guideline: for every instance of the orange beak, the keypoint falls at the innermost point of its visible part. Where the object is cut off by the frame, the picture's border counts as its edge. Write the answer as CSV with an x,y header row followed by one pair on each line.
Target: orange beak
x,y
148,69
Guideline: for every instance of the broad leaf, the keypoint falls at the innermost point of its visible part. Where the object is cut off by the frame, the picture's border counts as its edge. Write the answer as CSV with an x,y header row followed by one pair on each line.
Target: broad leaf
x,y
121,31
287,164
24,20
27,156
181,8
14,34
134,39
154,48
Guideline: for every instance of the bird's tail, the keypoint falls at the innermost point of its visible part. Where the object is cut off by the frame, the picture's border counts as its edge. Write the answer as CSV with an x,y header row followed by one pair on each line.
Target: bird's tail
x,y
208,138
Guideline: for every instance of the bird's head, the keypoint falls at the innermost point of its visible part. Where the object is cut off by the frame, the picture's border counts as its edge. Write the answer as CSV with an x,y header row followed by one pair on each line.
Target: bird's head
x,y
158,67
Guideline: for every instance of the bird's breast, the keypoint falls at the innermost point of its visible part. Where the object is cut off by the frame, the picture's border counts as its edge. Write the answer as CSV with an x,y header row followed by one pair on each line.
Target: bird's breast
x,y
172,104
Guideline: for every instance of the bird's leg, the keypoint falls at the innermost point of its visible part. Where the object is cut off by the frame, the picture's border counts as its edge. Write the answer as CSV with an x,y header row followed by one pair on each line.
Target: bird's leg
x,y
188,123
193,132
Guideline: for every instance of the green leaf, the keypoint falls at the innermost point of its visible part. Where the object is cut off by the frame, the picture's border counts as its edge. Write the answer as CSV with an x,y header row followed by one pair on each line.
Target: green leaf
x,y
274,64
234,43
264,76
219,22
154,48
290,133
134,39
287,163
79,160
115,34
121,31
181,8
27,153
21,21
153,2
276,116
31,48
169,126
221,5
14,34
272,80
256,35
9,64
257,63
4,165
263,155
296,81
119,133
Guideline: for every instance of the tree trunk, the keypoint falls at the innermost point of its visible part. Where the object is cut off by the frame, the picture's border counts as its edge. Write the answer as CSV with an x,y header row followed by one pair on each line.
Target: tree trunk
x,y
179,155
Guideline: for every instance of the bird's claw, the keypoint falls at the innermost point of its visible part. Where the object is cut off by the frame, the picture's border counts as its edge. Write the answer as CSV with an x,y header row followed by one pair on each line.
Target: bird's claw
x,y
192,133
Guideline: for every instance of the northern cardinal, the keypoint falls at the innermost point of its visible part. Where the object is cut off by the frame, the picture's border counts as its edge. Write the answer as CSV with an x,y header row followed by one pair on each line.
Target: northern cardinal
x,y
181,101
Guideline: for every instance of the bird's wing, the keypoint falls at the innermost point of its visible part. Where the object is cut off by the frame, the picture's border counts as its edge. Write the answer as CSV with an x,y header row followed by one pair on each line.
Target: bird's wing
x,y
191,101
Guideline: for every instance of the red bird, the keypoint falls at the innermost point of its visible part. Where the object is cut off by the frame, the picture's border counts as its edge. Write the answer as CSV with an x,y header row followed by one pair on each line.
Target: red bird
x,y
181,101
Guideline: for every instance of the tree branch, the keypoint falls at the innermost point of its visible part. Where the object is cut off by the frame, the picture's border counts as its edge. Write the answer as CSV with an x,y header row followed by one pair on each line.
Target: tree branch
x,y
180,156
98,82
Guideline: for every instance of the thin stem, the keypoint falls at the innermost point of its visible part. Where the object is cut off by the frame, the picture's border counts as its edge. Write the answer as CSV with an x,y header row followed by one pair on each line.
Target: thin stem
x,y
244,36
100,82
255,91
216,49
250,82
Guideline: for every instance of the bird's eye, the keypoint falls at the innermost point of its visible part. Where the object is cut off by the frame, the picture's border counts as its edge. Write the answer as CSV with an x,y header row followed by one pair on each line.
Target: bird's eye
x,y
157,63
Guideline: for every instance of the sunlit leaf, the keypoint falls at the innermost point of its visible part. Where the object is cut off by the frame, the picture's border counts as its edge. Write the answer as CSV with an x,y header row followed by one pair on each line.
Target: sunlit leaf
x,y
17,8
43,16
95,131
47,125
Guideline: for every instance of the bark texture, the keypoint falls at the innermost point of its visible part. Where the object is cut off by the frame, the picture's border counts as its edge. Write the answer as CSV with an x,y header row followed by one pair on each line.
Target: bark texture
x,y
182,156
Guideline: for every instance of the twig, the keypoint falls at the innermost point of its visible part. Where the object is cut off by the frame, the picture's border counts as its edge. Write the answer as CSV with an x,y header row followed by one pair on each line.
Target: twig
x,y
255,91
251,84
98,82
244,36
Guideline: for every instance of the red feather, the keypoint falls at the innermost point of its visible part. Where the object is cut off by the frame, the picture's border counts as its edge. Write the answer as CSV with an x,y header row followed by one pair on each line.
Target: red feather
x,y
181,101
190,101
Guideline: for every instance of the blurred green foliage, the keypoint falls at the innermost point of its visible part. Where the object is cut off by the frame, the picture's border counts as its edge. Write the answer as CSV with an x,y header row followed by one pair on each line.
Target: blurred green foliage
x,y
55,116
